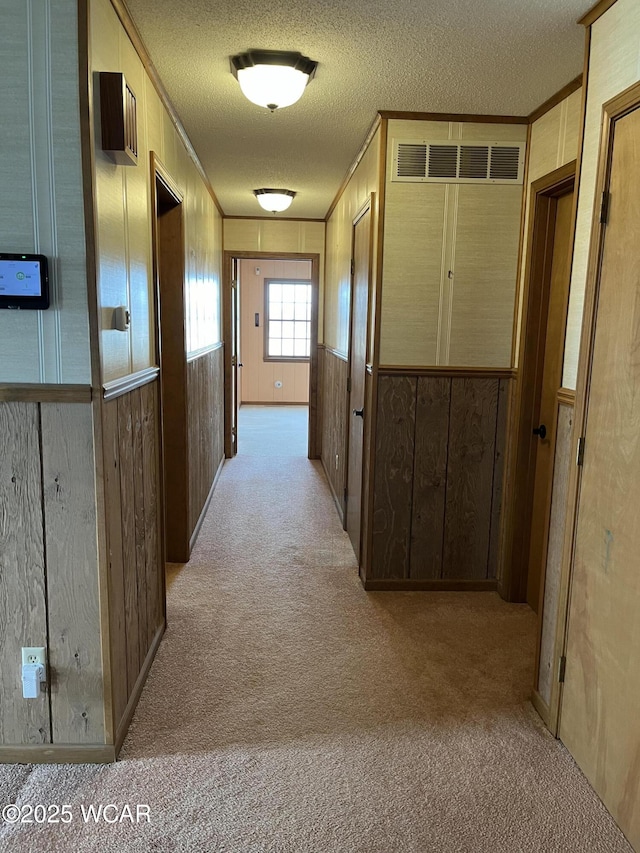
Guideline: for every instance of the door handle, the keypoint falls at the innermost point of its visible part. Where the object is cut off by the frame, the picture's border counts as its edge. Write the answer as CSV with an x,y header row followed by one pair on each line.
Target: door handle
x,y
541,431
359,413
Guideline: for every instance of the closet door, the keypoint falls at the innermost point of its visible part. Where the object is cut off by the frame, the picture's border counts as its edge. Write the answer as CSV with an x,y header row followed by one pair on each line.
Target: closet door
x,y
484,260
601,695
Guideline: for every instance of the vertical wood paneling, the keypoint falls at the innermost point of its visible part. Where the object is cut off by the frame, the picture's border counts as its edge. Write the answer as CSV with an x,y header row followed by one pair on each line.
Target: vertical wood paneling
x,y
117,616
127,515
334,411
472,435
22,583
205,412
429,476
504,391
137,465
154,567
75,654
394,476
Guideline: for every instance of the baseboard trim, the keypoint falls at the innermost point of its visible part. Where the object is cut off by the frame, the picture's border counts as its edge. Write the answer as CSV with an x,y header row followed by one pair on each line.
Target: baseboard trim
x,y
338,503
435,585
125,722
57,753
541,706
196,529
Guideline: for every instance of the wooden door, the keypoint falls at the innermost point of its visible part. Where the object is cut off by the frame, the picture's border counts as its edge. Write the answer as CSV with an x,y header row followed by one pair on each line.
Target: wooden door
x,y
560,256
601,694
235,287
357,373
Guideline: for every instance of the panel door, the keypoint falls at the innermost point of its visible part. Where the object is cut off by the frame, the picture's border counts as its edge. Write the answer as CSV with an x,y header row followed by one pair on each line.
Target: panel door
x,y
357,372
601,695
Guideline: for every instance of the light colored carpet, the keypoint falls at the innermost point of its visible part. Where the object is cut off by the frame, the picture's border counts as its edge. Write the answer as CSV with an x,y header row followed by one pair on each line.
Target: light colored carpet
x,y
289,711
273,430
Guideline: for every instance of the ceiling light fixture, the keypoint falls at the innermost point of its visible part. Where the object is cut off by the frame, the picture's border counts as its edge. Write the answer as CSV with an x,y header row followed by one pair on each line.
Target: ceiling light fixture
x,y
275,201
272,78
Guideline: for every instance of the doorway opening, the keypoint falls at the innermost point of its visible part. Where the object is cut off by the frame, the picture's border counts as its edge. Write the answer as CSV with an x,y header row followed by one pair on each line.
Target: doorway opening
x,y
539,393
271,359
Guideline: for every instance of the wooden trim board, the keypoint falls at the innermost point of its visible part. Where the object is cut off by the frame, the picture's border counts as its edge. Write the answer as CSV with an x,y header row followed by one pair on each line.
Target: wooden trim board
x,y
342,356
336,500
11,392
196,529
57,754
595,12
118,387
460,372
436,585
566,397
363,150
556,99
277,218
461,117
125,722
196,354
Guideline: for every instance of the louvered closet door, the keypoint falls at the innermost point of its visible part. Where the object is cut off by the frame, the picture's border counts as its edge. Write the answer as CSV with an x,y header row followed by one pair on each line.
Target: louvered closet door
x,y
484,258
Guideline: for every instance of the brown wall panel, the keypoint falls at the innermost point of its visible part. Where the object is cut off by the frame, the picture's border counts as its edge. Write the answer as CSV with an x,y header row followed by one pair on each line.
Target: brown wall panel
x,y
205,412
393,482
334,412
438,478
472,434
430,476
22,579
75,651
131,429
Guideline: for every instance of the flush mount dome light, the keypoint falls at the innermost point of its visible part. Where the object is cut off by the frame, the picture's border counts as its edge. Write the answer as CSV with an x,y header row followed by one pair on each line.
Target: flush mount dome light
x,y
272,78
275,201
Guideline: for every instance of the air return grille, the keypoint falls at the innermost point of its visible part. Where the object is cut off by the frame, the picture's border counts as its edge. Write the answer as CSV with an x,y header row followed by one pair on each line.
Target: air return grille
x,y
458,162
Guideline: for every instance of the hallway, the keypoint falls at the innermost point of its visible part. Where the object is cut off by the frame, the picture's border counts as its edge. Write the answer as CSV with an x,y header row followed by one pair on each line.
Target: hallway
x,y
288,710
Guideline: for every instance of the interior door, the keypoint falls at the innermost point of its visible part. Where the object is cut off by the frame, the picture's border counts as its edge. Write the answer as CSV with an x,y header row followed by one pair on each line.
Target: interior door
x,y
551,382
357,373
235,288
601,694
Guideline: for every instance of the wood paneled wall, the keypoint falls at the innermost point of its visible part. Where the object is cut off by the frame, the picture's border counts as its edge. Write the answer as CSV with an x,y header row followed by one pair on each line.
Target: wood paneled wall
x,y
49,583
335,370
205,410
439,450
131,429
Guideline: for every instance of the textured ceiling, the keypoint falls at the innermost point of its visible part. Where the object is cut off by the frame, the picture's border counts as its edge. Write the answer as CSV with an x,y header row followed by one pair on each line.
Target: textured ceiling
x,y
492,56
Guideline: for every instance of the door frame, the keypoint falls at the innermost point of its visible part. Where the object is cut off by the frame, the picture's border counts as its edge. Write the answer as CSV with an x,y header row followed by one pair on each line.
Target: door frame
x,y
613,110
523,444
366,207
314,446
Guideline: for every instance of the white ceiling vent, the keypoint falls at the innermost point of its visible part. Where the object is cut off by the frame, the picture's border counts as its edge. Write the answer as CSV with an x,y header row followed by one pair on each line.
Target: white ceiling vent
x,y
458,162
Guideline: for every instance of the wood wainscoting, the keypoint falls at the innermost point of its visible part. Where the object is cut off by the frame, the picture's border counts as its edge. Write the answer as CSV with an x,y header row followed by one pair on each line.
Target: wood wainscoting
x,y
334,399
439,450
49,574
135,540
205,413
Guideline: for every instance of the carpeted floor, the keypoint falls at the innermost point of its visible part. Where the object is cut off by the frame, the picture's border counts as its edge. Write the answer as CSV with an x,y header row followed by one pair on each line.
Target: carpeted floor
x,y
290,711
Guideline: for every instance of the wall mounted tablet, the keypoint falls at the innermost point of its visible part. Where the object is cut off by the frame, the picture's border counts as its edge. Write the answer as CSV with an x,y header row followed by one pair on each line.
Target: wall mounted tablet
x,y
24,281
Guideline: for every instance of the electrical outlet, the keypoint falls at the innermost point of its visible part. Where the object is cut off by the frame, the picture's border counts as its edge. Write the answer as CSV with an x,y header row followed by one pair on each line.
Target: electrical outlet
x,y
33,655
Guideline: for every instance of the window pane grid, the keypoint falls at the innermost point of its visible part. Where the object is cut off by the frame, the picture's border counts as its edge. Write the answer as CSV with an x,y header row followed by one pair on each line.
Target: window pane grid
x,y
288,319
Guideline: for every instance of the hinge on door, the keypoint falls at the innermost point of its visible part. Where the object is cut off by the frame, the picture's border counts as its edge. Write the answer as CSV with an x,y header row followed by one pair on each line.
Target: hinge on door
x,y
348,384
234,360
604,207
562,667
580,455
353,266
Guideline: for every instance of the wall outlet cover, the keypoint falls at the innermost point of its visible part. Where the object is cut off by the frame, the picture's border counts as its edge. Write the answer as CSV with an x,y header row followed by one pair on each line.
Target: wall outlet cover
x,y
34,654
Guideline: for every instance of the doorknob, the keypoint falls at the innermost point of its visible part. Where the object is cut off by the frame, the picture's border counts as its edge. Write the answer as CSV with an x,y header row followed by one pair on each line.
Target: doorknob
x,y
541,431
359,413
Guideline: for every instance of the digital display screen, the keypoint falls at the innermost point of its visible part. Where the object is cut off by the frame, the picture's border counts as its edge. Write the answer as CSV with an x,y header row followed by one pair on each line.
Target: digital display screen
x,y
24,281
20,278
